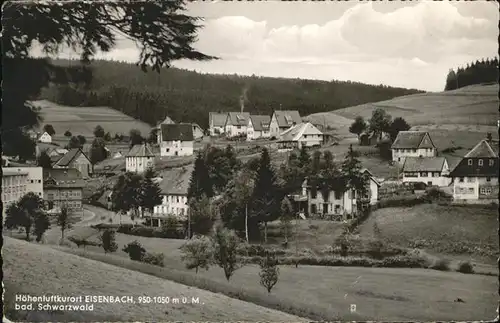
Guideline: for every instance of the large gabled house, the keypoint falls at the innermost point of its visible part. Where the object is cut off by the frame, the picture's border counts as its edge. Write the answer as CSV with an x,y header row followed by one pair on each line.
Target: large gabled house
x,y
236,124
63,187
303,134
216,122
139,158
75,158
45,138
475,178
258,127
336,203
282,121
433,171
412,144
174,186
176,139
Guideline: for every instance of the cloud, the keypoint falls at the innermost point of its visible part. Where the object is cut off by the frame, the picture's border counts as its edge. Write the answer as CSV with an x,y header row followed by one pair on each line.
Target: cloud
x,y
411,46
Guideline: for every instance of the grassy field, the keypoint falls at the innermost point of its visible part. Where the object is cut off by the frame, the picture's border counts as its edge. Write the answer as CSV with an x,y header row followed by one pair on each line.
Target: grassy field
x,y
39,270
83,120
467,232
327,292
466,110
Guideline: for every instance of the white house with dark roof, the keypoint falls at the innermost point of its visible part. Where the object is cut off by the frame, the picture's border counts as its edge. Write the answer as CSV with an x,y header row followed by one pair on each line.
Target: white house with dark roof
x,y
167,120
174,186
236,124
18,181
75,158
336,203
303,134
475,178
412,144
139,158
282,121
258,127
176,139
432,171
216,123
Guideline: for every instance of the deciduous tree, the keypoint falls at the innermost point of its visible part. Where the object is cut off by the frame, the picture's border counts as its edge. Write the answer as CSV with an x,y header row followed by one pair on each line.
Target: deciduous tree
x,y
380,122
63,218
197,253
48,128
99,132
269,272
225,251
397,125
108,241
358,126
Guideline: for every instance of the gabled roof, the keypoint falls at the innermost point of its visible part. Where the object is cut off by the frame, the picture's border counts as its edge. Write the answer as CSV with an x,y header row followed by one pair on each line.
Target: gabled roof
x,y
287,119
195,125
428,164
45,133
62,178
413,140
297,131
260,122
70,156
176,180
238,118
167,120
54,159
217,119
141,150
483,150
180,131
365,170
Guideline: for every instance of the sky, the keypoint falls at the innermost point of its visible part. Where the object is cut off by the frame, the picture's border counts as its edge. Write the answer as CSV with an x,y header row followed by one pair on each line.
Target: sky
x,y
403,44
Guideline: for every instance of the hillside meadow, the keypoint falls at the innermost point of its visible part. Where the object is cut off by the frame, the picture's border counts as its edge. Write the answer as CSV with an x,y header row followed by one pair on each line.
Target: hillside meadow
x,y
40,270
472,109
456,232
80,120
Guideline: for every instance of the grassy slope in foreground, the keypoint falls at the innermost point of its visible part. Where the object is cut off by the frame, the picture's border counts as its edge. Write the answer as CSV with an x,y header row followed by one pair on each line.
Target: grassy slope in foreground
x,y
465,109
38,270
327,292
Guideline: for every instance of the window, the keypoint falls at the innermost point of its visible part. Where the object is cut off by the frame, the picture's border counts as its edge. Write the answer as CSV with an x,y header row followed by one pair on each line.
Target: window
x,y
423,174
491,162
488,179
480,162
436,174
471,190
337,195
429,183
238,127
470,179
413,150
314,209
461,179
32,181
177,199
469,162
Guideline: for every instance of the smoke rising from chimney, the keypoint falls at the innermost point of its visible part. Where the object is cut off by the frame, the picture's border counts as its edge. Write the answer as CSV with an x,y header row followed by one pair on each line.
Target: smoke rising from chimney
x,y
243,98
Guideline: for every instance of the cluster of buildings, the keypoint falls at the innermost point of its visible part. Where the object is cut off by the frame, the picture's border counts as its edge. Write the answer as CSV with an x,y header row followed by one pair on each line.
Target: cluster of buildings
x,y
471,179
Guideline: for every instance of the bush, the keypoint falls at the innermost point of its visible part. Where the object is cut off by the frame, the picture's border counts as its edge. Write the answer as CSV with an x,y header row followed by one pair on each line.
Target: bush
x,y
197,253
441,264
135,250
465,267
435,194
156,259
149,232
375,249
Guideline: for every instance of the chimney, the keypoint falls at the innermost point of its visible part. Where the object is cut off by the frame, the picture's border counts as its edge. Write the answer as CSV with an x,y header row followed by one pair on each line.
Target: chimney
x,y
242,104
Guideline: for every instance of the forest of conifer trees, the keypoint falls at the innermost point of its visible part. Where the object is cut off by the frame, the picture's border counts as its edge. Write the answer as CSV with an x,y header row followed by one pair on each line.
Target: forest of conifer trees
x,y
188,96
478,72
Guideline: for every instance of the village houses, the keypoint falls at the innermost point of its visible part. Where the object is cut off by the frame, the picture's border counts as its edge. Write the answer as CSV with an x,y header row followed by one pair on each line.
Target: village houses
x,y
216,123
282,121
258,127
139,159
18,181
433,171
343,205
63,187
302,134
475,178
412,144
236,124
45,138
75,158
176,140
